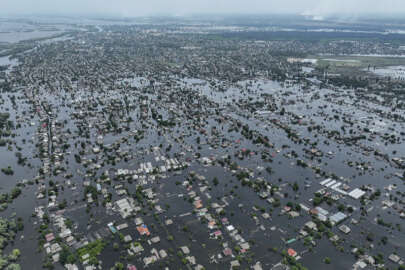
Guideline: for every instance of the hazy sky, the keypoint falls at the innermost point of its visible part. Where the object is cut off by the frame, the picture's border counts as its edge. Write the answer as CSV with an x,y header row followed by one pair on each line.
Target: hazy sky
x,y
182,7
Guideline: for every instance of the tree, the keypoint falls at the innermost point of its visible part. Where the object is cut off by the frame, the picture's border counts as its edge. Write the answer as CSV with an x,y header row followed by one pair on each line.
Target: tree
x,y
215,181
370,237
295,186
317,201
14,254
7,171
119,266
15,192
13,266
327,260
66,256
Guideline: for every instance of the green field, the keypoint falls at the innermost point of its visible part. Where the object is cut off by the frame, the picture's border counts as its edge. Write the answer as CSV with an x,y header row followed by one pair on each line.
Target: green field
x,y
355,64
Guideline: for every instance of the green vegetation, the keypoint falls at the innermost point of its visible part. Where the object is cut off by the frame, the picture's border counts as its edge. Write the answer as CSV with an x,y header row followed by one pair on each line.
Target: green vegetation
x,y
215,181
317,199
351,65
288,260
93,249
118,266
66,256
7,171
92,190
8,230
5,198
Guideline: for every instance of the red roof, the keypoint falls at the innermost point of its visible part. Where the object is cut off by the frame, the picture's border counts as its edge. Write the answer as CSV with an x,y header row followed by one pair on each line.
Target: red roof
x,y
49,237
198,204
143,230
291,252
227,252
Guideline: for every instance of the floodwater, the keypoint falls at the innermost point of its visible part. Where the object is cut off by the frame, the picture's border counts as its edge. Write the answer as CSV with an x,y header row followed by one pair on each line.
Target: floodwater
x,y
294,99
395,72
173,195
14,37
5,61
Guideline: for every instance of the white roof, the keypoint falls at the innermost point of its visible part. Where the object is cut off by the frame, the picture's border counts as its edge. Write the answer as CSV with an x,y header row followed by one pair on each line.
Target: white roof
x,y
330,183
325,181
357,193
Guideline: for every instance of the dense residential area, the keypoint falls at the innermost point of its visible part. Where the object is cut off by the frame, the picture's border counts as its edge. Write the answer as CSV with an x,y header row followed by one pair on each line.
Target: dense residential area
x,y
171,143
